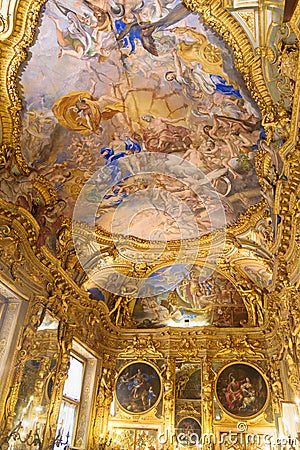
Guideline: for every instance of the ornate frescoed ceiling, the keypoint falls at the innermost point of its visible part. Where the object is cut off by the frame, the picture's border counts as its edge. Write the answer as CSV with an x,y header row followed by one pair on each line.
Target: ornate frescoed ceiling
x,y
102,86
149,218
141,137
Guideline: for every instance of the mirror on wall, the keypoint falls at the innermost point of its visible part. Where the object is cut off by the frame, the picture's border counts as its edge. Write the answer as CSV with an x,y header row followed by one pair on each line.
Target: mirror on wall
x,y
35,387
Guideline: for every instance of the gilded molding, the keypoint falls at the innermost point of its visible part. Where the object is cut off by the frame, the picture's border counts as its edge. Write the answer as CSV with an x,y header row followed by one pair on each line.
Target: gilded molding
x,y
13,53
288,213
58,285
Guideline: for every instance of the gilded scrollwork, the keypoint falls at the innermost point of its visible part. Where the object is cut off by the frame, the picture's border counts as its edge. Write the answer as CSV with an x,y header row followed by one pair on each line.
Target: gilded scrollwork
x,y
103,400
24,249
28,347
142,347
169,392
284,67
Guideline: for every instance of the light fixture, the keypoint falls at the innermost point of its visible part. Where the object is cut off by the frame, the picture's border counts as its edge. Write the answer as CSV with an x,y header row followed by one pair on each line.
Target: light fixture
x,y
105,442
30,438
24,433
61,440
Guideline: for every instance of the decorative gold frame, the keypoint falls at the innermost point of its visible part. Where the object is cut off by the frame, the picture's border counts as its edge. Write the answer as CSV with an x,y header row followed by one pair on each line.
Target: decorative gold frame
x,y
159,397
257,369
177,427
52,284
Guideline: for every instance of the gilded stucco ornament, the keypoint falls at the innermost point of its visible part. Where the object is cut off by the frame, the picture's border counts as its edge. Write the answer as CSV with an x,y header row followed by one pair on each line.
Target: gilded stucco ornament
x,y
286,247
104,398
223,22
207,397
188,347
239,348
142,347
276,384
169,383
59,290
58,279
285,346
246,62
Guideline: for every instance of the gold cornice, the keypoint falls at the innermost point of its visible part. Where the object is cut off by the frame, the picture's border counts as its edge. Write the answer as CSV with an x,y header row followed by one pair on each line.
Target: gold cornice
x,y
245,221
64,298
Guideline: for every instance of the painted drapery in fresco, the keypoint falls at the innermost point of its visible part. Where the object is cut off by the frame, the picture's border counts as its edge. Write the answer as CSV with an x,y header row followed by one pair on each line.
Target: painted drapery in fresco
x,y
107,82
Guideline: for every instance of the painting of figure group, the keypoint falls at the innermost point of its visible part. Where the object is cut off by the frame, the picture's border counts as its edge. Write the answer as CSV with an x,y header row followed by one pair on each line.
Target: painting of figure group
x,y
241,390
188,432
193,302
138,387
109,81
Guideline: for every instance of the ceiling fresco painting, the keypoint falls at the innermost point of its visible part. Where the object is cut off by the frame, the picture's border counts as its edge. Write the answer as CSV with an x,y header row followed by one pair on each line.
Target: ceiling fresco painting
x,y
136,124
193,303
149,193
106,85
184,297
257,272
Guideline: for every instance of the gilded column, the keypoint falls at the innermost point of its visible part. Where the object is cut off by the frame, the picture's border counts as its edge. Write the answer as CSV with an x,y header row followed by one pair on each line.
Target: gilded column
x,y
65,335
207,396
169,397
103,400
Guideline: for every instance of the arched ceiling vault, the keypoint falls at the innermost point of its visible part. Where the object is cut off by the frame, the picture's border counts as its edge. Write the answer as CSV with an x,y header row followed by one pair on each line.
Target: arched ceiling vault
x,y
254,251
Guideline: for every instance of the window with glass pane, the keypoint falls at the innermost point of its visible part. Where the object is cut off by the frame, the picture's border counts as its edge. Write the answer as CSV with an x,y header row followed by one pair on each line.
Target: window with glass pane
x,y
73,384
70,404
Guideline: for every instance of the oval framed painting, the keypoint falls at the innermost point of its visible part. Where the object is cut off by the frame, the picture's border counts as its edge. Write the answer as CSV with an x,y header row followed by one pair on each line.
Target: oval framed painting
x,y
138,387
188,432
241,390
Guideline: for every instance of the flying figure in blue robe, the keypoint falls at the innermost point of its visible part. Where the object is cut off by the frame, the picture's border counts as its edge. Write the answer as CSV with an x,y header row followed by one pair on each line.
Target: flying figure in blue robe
x,y
113,160
143,31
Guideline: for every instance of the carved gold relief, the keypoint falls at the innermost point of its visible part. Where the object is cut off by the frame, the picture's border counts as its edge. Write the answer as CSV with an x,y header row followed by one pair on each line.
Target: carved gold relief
x,y
249,18
104,398
141,347
58,286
